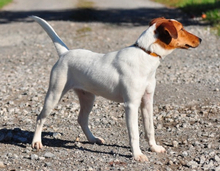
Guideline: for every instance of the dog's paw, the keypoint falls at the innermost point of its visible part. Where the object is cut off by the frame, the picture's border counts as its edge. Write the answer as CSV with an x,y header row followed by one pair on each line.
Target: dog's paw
x,y
158,149
37,145
99,141
141,158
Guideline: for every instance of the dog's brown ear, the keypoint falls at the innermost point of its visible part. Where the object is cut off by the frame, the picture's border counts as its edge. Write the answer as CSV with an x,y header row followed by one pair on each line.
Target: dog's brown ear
x,y
156,20
167,27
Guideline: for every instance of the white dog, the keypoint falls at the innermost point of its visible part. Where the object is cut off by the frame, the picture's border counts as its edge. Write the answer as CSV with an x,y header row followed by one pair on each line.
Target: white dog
x,y
126,76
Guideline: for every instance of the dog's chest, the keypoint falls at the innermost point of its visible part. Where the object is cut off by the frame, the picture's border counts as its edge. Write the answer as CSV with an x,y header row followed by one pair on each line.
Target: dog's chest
x,y
148,67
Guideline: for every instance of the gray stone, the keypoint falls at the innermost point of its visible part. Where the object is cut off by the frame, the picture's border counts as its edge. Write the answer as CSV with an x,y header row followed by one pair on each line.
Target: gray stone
x,y
175,144
192,164
217,168
48,164
185,153
2,165
49,155
217,158
56,135
41,158
34,157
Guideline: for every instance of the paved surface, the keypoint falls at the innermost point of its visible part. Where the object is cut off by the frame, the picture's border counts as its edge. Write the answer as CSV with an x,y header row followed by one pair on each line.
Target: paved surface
x,y
138,12
26,5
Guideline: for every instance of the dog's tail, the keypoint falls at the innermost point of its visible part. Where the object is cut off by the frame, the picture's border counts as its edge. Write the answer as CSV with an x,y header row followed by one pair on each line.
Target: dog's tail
x,y
58,43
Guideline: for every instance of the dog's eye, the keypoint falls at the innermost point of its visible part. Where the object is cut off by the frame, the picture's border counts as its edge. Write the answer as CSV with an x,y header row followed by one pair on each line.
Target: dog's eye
x,y
182,29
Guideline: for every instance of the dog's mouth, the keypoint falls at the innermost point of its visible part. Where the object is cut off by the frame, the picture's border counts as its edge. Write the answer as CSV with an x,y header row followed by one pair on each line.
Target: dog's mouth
x,y
187,46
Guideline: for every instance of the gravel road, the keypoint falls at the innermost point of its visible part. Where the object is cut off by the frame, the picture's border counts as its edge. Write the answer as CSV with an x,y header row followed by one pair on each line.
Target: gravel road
x,y
187,98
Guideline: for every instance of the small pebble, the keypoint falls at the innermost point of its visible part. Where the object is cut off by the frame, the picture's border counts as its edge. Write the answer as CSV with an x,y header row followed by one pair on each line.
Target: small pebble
x,y
34,157
175,144
217,89
192,164
2,165
49,155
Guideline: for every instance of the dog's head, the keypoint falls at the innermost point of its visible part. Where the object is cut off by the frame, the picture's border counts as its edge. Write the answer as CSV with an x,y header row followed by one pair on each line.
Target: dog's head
x,y
165,35
172,35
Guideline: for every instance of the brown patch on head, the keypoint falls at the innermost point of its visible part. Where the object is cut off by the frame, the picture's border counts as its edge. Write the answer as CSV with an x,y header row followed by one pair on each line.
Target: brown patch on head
x,y
158,21
167,32
172,35
164,25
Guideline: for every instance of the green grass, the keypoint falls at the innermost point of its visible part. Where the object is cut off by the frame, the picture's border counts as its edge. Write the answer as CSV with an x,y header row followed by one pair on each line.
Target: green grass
x,y
211,8
84,30
4,2
184,3
85,4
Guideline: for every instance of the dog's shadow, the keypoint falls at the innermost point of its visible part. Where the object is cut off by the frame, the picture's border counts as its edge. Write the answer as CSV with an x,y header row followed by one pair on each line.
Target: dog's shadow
x,y
23,139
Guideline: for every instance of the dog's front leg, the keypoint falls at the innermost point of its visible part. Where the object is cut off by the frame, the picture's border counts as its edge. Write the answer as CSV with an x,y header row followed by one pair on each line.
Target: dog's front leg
x,y
147,114
132,125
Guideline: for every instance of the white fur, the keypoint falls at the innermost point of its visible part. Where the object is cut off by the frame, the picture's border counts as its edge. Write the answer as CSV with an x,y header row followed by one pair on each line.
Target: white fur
x,y
147,39
126,76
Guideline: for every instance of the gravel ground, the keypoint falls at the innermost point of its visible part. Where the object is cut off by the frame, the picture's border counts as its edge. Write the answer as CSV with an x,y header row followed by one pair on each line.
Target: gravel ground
x,y
186,109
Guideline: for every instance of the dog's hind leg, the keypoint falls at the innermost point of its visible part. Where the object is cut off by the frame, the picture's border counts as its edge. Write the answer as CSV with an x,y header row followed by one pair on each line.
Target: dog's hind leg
x,y
86,100
56,90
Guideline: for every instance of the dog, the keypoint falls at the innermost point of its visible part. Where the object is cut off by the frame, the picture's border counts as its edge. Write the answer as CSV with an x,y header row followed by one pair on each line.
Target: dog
x,y
126,76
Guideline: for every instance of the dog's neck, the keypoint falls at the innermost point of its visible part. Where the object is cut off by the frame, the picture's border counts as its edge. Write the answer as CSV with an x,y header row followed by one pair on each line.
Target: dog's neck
x,y
147,51
147,42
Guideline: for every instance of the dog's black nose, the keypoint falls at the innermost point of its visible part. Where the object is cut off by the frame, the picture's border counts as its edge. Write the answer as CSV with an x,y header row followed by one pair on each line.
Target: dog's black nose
x,y
200,40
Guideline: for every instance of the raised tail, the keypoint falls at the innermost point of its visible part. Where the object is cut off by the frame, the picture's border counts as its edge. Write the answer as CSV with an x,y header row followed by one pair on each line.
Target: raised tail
x,y
58,43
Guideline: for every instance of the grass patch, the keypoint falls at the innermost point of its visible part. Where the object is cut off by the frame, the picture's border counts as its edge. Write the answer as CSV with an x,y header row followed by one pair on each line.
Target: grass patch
x,y
85,4
210,9
83,30
4,2
85,10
